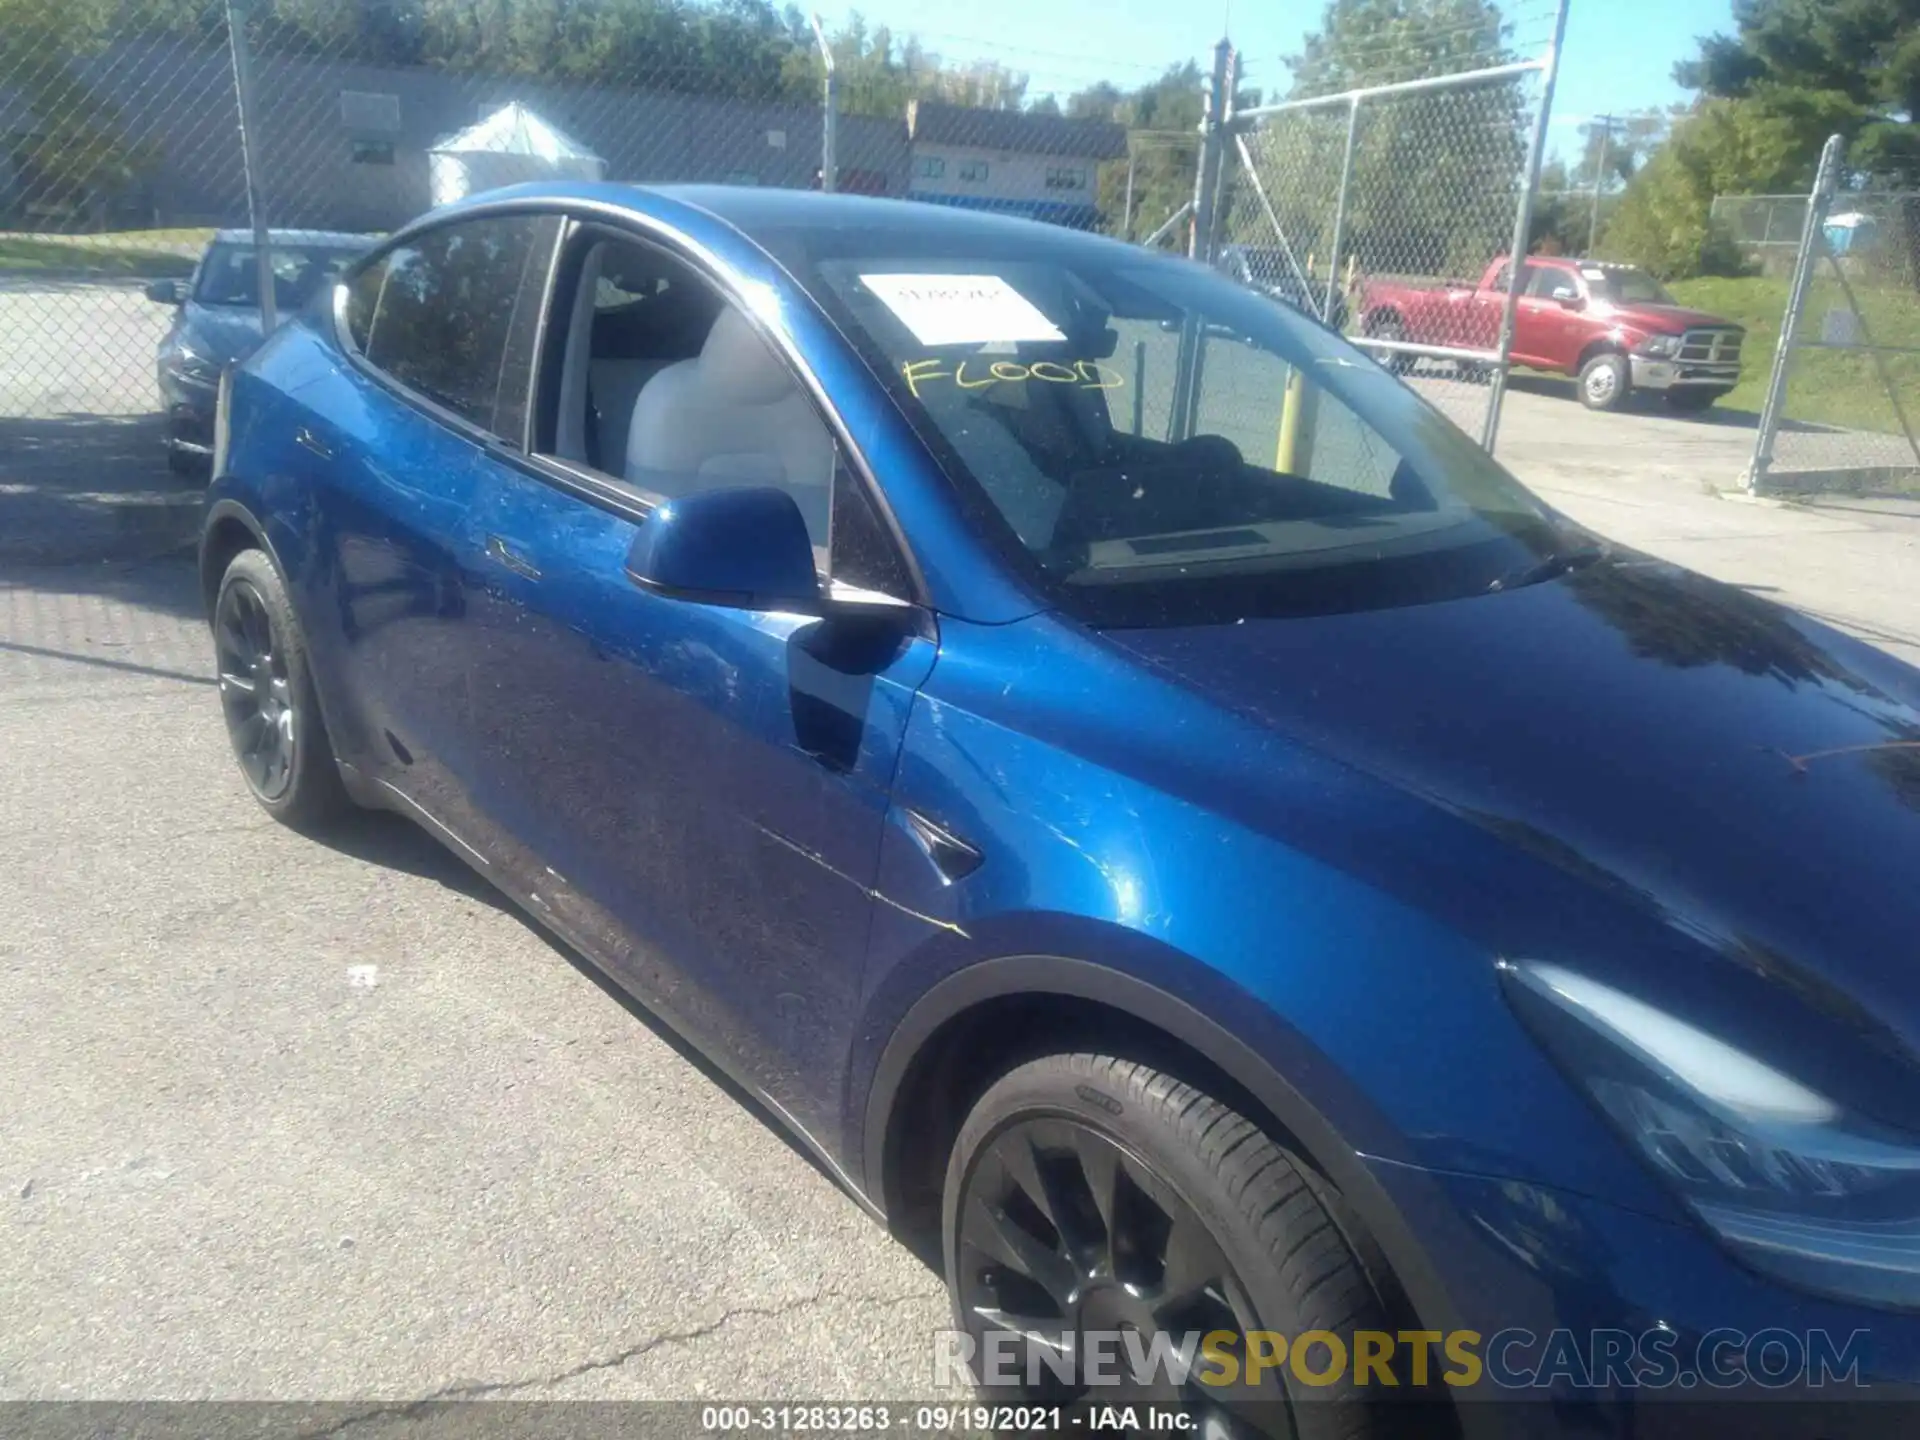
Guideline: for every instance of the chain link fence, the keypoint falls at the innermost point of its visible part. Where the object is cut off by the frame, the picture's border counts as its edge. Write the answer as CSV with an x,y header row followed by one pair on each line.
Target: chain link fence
x,y
1764,228
1381,192
1844,394
132,133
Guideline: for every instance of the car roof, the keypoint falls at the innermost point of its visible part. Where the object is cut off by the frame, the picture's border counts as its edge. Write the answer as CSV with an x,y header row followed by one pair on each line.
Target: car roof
x,y
749,208
761,213
343,238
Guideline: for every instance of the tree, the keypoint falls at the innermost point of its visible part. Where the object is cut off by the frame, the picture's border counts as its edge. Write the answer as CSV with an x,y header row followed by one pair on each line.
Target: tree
x,y
1378,42
1162,119
1614,147
1434,173
878,74
69,154
1856,59
1793,73
1612,150
1725,147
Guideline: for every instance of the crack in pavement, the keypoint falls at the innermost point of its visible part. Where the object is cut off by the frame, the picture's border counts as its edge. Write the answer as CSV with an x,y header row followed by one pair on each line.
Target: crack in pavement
x,y
475,1390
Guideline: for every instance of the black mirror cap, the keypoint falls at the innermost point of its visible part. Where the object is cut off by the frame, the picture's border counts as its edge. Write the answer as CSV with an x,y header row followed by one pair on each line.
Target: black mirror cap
x,y
745,547
165,292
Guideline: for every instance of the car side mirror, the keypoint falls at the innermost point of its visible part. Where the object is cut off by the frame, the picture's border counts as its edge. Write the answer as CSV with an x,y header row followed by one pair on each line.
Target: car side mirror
x,y
1568,297
165,292
746,548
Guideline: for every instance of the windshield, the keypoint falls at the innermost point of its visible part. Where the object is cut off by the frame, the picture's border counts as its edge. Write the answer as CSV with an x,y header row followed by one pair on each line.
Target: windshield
x,y
1627,287
1156,445
230,276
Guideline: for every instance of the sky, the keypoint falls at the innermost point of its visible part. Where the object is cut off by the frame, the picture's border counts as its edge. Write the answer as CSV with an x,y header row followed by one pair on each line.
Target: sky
x,y
1618,57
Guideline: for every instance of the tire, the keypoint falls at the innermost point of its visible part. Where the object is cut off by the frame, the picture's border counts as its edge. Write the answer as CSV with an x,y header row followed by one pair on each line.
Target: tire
x,y
1398,362
1189,1159
1474,372
1692,401
267,698
1605,382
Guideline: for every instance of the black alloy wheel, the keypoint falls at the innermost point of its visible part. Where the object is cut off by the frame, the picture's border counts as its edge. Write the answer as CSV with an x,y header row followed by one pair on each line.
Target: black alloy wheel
x,y
1097,1210
256,691
267,697
1064,1232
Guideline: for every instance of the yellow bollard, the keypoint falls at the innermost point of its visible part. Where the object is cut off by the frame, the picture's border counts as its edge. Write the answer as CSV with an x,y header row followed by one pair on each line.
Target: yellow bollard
x,y
1295,444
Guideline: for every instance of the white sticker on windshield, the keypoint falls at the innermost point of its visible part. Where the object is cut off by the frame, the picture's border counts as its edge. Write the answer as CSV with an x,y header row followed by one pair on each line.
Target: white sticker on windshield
x,y
961,309
1594,274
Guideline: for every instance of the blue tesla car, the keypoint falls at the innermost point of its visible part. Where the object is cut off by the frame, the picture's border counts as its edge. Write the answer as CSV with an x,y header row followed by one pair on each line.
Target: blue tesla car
x,y
1166,820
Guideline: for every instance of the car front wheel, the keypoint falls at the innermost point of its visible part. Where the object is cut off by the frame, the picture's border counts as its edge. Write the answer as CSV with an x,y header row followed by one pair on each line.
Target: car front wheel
x,y
1399,362
1604,382
1095,1205
267,699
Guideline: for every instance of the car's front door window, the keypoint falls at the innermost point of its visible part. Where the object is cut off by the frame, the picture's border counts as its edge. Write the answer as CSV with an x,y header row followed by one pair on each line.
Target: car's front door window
x,y
1544,280
669,389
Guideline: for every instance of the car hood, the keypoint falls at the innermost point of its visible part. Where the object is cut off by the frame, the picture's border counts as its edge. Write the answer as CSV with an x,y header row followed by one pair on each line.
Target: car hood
x,y
1671,319
1749,776
221,333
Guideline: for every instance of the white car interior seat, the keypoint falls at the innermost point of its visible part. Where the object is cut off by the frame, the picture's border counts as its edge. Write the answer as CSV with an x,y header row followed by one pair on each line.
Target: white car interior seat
x,y
732,416
598,392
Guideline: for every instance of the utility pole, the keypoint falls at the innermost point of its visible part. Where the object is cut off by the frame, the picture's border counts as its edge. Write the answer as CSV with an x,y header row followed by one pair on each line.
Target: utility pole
x,y
829,112
237,13
1213,143
1209,175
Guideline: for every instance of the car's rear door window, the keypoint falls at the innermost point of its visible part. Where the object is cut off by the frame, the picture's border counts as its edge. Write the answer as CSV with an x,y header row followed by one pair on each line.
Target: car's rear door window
x,y
453,315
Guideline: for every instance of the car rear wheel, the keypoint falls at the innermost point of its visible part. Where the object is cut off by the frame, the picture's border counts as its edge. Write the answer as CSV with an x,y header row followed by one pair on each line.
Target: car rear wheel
x,y
1088,1196
266,696
1604,382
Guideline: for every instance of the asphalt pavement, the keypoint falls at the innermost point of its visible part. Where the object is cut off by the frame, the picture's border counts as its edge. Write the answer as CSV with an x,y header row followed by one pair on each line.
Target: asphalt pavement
x,y
299,1121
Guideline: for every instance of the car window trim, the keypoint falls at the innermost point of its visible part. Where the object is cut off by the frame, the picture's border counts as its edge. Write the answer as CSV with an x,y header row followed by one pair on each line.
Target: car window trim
x,y
343,336
523,443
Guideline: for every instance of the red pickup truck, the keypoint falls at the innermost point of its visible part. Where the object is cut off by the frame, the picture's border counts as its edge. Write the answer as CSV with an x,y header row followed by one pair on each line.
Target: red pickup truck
x,y
1612,327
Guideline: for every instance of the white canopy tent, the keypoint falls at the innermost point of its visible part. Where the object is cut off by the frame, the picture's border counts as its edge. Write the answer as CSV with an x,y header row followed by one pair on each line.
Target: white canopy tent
x,y
510,146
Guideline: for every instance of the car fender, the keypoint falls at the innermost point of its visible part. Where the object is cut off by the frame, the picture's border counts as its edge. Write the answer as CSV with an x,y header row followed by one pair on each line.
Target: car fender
x,y
1328,1144
227,507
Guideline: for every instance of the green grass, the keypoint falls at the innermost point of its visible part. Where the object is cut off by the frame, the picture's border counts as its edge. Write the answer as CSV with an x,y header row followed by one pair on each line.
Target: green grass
x,y
127,253
1826,387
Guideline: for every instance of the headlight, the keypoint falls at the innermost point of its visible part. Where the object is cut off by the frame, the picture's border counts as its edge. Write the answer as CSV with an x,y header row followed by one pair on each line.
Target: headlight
x,y
1785,1177
190,365
1664,346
